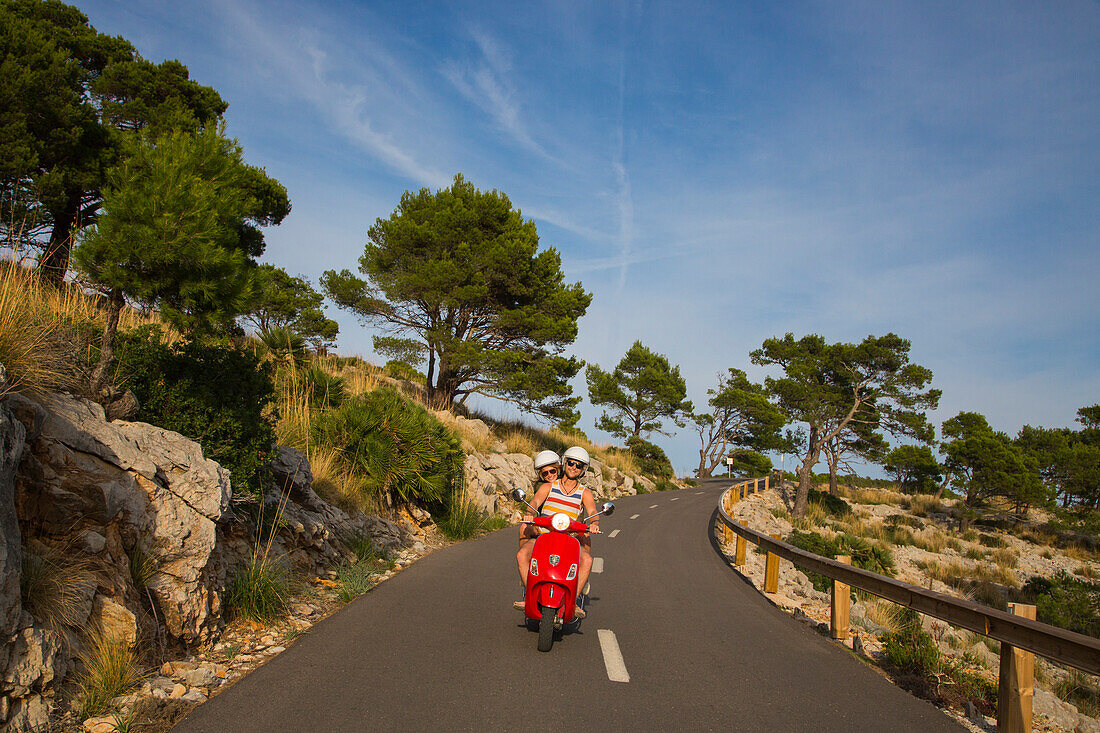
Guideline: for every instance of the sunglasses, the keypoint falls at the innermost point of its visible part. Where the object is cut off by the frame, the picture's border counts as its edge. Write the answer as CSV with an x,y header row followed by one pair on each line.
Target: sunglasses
x,y
550,469
574,464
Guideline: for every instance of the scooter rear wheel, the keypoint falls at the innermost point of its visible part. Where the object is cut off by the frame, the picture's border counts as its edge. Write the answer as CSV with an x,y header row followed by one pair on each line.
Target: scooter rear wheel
x,y
546,630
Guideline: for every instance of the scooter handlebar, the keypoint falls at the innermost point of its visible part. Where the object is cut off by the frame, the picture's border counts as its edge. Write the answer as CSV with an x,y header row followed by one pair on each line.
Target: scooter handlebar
x,y
545,523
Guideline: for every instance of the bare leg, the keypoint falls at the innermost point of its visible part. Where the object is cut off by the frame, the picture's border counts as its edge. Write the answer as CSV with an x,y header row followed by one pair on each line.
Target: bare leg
x,y
523,558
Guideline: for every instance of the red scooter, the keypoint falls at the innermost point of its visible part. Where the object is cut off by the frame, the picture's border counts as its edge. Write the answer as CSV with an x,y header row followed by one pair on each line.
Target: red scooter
x,y
551,593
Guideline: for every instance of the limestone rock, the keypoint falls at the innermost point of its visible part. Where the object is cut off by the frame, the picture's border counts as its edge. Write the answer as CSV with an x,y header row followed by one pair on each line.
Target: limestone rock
x,y
200,677
154,482
92,542
12,434
116,621
122,407
1057,712
1085,724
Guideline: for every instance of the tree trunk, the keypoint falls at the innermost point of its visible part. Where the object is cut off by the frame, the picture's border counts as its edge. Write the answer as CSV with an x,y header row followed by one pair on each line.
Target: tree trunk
x,y
107,342
805,476
833,488
430,379
702,471
54,262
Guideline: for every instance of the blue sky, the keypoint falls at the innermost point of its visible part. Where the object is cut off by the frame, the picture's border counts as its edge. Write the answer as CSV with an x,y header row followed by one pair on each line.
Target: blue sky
x,y
714,173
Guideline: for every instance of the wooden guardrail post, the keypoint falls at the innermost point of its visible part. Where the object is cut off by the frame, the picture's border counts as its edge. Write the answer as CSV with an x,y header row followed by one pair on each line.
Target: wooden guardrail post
x,y
756,486
1017,687
739,555
841,597
771,571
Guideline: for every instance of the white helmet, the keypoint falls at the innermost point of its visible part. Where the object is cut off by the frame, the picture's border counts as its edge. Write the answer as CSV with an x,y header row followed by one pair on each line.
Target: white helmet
x,y
546,458
577,454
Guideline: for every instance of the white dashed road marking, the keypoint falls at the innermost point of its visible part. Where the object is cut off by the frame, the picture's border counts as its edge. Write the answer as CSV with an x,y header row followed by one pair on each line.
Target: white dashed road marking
x,y
597,564
674,498
612,657
613,533
653,507
698,493
636,516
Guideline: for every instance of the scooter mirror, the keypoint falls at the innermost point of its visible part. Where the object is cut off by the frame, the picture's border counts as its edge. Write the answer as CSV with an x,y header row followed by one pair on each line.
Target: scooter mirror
x,y
519,494
608,508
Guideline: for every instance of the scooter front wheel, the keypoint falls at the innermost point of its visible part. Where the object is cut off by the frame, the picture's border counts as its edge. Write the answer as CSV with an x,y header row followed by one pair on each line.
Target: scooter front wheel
x,y
546,629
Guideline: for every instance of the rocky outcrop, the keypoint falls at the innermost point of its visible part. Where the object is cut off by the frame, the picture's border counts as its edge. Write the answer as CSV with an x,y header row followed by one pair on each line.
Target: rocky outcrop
x,y
12,434
131,491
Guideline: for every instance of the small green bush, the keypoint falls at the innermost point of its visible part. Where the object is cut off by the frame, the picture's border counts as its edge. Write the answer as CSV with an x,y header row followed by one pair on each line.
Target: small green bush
x,y
834,505
749,463
403,452
259,590
864,554
652,461
323,390
210,391
464,520
903,520
403,370
1065,601
355,579
913,653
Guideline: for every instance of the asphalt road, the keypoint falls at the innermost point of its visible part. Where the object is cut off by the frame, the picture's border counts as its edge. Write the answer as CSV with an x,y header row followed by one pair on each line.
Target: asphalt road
x,y
438,646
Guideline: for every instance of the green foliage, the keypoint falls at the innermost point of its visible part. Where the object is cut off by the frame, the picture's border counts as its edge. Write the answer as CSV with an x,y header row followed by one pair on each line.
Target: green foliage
x,y
749,463
402,451
210,391
323,390
403,370
71,95
459,271
652,461
914,654
915,468
285,302
463,520
179,228
864,554
860,388
259,590
641,393
285,345
741,418
1065,601
409,351
1068,460
834,505
986,464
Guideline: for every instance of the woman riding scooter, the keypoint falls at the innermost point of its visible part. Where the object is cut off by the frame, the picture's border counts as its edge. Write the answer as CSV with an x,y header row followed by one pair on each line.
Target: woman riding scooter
x,y
565,495
548,468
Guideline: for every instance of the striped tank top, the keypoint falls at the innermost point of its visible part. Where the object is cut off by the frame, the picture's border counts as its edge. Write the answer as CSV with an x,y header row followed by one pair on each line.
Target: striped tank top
x,y
559,501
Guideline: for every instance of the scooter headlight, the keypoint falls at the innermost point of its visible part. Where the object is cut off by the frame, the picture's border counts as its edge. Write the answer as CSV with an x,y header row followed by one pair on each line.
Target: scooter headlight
x,y
560,521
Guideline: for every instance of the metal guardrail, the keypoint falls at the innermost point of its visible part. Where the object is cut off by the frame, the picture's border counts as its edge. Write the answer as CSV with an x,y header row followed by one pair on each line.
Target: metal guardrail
x,y
1059,645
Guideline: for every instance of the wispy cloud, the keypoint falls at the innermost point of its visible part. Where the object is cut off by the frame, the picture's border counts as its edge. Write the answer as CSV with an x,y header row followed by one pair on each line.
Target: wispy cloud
x,y
487,83
303,65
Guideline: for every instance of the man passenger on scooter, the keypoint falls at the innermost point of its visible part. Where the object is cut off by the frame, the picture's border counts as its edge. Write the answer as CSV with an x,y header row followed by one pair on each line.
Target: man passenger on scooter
x,y
568,496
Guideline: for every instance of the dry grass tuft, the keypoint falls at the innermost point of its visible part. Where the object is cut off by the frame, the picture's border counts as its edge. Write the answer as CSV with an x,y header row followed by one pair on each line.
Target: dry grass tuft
x,y
518,440
1087,571
56,588
884,613
335,483
959,575
1005,558
922,505
110,670
620,460
871,496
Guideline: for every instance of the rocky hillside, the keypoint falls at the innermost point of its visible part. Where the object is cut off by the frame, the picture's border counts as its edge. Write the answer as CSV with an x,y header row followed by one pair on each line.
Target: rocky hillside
x,y
923,548
124,531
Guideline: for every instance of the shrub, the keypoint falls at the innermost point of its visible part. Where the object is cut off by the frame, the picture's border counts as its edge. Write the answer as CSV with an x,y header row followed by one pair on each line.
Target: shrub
x,y
1065,601
355,579
402,452
903,520
922,505
110,670
259,589
914,654
834,505
651,459
322,390
209,391
403,370
864,554
991,540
